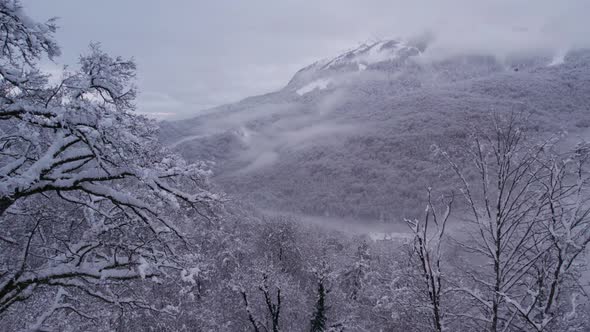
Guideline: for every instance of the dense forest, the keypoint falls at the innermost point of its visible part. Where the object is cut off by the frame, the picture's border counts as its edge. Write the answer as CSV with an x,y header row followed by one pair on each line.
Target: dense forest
x,y
103,227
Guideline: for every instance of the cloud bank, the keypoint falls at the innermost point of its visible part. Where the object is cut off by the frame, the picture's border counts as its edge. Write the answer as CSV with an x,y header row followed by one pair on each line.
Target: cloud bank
x,y
198,54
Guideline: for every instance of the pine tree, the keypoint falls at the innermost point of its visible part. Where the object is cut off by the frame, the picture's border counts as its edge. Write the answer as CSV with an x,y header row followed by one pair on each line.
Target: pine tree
x,y
318,322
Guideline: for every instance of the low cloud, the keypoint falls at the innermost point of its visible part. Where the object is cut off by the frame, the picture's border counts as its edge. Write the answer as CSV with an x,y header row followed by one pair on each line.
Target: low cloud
x,y
263,148
219,52
159,105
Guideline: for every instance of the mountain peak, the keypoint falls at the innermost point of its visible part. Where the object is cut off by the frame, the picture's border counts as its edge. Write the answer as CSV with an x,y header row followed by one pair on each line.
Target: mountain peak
x,y
369,53
358,59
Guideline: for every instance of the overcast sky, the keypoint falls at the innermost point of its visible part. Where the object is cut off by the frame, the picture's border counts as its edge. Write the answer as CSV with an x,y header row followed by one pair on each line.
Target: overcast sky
x,y
195,54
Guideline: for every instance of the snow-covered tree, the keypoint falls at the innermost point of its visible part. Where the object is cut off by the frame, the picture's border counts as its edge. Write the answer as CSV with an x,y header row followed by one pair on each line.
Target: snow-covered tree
x,y
88,198
527,225
550,298
271,300
428,239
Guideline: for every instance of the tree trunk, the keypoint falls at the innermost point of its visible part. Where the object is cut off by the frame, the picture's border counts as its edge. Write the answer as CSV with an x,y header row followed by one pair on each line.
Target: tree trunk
x,y
5,203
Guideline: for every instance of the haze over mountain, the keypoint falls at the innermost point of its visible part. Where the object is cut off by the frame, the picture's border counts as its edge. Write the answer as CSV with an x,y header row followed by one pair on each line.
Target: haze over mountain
x,y
194,55
352,136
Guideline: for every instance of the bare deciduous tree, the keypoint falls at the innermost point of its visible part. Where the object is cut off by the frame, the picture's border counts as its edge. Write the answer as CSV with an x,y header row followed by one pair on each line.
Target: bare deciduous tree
x,y
428,239
528,223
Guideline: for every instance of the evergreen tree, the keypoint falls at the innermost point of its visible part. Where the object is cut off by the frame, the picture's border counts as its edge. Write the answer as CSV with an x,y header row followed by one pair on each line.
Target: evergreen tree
x,y
318,322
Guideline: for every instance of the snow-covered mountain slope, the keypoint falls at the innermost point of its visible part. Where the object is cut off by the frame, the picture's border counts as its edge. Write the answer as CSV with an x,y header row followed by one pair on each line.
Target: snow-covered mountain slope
x,y
352,136
365,57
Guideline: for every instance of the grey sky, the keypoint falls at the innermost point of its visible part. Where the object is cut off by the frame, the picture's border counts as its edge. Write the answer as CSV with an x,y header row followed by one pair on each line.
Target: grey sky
x,y
195,54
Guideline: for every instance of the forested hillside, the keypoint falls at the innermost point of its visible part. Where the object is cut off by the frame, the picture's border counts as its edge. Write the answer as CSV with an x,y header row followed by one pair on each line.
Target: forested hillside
x,y
361,146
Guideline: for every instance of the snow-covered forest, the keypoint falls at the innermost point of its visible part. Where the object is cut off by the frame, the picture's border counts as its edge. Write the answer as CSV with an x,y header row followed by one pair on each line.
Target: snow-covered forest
x,y
375,192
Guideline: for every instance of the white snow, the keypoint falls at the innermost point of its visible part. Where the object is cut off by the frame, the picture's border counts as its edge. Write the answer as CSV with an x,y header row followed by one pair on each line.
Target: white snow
x,y
368,54
143,267
320,84
189,275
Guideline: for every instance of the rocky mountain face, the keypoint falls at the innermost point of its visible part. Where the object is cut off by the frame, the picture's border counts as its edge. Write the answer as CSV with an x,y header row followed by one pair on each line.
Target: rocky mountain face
x,y
353,136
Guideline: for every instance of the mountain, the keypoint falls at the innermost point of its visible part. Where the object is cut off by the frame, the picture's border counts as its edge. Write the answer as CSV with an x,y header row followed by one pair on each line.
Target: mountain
x,y
352,136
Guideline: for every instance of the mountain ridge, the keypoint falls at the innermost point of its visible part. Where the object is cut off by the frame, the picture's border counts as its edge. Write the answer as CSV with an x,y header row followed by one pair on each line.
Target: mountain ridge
x,y
359,145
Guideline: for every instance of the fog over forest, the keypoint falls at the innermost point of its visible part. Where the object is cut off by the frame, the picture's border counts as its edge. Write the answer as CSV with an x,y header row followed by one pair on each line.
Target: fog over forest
x,y
294,166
